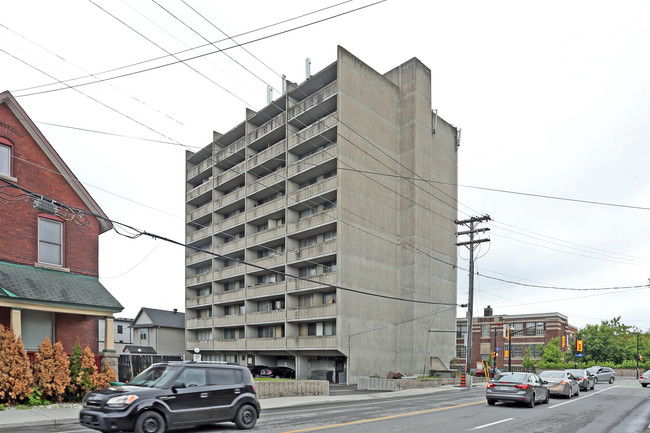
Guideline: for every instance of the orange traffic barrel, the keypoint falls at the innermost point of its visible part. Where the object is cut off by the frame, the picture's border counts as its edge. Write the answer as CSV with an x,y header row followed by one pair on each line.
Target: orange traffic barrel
x,y
463,380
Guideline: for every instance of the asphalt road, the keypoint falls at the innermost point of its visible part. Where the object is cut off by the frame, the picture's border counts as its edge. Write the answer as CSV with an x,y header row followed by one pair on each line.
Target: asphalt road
x,y
623,407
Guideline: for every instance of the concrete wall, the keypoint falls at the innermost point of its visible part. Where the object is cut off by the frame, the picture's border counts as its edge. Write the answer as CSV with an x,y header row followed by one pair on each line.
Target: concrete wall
x,y
391,221
294,388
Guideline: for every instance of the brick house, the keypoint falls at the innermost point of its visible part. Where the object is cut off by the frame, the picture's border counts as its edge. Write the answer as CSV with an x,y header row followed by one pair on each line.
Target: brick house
x,y
49,283
527,331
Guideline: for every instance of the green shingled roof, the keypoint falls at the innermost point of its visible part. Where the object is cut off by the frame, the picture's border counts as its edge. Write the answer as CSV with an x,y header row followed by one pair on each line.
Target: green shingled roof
x,y
26,283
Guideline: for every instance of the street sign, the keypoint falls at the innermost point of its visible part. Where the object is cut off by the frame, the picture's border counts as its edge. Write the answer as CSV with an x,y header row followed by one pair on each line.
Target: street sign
x,y
580,354
498,348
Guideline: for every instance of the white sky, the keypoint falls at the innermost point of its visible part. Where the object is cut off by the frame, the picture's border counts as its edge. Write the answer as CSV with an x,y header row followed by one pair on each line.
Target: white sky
x,y
553,99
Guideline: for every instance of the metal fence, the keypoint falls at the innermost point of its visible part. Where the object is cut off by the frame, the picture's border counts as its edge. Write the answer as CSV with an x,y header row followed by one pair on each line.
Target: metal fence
x,y
130,365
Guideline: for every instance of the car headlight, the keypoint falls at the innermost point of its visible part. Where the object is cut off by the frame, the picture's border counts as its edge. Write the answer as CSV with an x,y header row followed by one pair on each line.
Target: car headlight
x,y
121,401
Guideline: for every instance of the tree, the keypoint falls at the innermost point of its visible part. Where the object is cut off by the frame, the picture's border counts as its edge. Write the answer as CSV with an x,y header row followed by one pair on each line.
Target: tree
x,y
51,370
15,370
528,362
552,356
75,369
608,342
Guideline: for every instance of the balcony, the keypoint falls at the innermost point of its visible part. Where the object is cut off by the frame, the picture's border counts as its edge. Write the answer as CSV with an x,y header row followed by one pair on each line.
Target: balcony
x,y
322,218
266,235
228,177
265,290
226,224
203,233
267,208
272,316
329,247
199,323
230,151
265,343
230,198
312,133
201,344
198,213
310,313
314,190
316,342
197,301
231,295
328,279
230,271
264,133
229,247
274,180
226,344
326,154
269,261
197,257
198,191
229,320
271,152
203,166
198,279
309,109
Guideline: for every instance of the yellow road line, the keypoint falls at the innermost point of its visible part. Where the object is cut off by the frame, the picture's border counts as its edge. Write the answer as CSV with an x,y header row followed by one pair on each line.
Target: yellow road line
x,y
385,417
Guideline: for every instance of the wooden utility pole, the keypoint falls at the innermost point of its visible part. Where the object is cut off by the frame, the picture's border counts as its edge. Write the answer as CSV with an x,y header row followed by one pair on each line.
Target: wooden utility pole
x,y
471,245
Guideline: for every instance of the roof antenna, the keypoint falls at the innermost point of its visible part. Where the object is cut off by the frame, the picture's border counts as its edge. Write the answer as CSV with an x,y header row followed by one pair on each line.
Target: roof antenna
x,y
307,68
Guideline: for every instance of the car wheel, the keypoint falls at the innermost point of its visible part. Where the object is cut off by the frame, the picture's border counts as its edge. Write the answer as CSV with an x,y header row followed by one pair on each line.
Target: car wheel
x,y
277,376
531,403
493,402
150,422
548,397
644,385
246,417
611,380
595,381
570,393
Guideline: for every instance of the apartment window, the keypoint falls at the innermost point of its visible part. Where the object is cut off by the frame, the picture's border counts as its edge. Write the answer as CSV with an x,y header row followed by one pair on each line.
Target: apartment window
x,y
485,330
329,328
232,238
203,291
204,313
518,328
307,242
267,279
329,298
230,334
234,310
329,236
270,332
307,183
307,212
5,158
461,331
329,205
262,227
204,334
266,252
329,267
461,351
307,271
264,306
536,328
233,285
306,300
203,270
517,351
329,174
50,241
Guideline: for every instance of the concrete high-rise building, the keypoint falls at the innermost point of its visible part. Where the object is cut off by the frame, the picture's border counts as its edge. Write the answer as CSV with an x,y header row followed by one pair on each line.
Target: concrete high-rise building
x,y
323,229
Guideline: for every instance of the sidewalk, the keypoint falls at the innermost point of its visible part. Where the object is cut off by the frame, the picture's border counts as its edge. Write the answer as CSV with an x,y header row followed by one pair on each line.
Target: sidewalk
x,y
12,420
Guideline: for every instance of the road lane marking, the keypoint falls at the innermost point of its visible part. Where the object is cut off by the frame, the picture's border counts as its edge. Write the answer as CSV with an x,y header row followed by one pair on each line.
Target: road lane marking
x,y
491,424
386,417
578,398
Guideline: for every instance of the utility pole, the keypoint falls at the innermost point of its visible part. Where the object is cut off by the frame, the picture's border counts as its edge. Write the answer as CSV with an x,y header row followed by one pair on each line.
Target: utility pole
x,y
471,245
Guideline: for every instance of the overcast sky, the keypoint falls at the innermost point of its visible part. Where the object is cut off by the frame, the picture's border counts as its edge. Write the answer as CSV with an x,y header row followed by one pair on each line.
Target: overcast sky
x,y
553,100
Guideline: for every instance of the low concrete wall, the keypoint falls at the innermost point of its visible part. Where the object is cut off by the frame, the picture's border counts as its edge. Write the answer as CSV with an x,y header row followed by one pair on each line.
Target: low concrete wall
x,y
376,384
291,388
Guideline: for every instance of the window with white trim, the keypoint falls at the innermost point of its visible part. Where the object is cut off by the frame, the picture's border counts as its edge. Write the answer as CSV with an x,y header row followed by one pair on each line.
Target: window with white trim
x,y
50,241
5,159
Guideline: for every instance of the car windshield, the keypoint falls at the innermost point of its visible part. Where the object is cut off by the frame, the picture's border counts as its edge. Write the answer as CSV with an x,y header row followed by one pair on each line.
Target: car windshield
x,y
552,375
577,372
156,376
510,377
593,369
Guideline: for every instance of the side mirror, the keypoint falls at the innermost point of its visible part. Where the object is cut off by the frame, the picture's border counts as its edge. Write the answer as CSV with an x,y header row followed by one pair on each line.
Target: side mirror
x,y
544,382
177,385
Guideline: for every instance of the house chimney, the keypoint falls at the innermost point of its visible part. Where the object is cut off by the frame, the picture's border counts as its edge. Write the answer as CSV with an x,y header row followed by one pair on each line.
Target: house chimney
x,y
487,312
175,310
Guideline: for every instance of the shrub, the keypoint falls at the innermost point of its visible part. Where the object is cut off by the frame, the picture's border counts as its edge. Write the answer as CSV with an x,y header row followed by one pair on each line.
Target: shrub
x,y
85,379
15,370
75,369
51,370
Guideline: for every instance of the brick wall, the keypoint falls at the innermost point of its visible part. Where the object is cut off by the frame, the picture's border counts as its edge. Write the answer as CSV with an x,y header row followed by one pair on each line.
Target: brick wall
x,y
70,327
34,171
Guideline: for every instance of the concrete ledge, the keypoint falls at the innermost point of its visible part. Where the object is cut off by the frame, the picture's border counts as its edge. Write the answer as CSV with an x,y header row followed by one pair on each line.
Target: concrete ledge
x,y
377,384
291,388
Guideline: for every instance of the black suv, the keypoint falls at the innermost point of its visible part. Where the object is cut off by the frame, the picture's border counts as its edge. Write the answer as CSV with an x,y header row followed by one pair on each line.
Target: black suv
x,y
175,394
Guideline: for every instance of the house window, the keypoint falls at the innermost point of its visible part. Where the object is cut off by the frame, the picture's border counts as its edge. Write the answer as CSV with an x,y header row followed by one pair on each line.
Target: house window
x,y
143,334
5,158
50,241
120,329
485,330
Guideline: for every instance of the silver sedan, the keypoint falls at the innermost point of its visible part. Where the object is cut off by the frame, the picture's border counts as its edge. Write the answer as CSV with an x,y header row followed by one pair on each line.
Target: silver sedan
x,y
561,383
517,387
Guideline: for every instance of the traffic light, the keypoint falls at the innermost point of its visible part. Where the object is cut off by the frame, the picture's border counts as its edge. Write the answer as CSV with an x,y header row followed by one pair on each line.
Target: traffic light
x,y
564,341
506,354
508,334
579,346
641,358
494,354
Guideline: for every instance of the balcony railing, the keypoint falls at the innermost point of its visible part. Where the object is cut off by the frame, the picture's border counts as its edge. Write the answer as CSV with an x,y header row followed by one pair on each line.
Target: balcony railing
x,y
265,316
267,235
265,289
229,320
265,343
199,323
231,295
203,166
227,344
198,279
266,182
313,100
198,213
270,152
317,128
204,188
196,301
317,342
201,344
329,279
329,247
230,198
317,158
230,271
230,150
314,190
269,261
200,256
199,234
237,170
267,127
316,220
313,312
267,208
223,225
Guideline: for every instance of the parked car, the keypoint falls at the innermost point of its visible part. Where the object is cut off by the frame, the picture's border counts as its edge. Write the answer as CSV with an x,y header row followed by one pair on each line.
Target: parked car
x,y
585,379
480,373
520,387
603,374
174,394
257,369
561,383
278,373
644,379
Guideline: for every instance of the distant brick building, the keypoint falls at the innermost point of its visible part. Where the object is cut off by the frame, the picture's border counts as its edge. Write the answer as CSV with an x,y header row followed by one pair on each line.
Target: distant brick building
x,y
526,331
49,283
